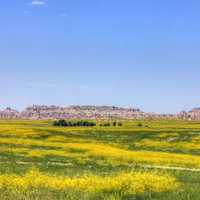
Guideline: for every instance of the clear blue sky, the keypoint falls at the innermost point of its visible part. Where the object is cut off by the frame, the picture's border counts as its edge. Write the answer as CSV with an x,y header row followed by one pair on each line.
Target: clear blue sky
x,y
143,54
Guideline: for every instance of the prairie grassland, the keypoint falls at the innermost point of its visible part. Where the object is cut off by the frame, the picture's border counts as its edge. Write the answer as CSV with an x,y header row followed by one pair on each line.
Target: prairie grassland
x,y
39,161
124,184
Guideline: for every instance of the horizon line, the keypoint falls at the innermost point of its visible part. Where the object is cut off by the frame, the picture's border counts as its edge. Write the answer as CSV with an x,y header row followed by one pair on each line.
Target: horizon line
x,y
93,105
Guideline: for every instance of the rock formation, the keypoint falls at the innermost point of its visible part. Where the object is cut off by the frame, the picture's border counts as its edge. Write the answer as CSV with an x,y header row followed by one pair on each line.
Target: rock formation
x,y
92,112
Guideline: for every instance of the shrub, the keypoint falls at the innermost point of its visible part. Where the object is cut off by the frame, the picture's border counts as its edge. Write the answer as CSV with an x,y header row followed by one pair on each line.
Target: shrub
x,y
114,123
140,125
60,122
107,124
119,124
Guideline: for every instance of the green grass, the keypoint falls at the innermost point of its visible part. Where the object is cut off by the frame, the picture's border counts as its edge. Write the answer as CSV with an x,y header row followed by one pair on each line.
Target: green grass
x,y
103,152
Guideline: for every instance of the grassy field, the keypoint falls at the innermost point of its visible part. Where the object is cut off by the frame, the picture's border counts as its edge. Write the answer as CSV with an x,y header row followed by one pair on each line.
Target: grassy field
x,y
159,160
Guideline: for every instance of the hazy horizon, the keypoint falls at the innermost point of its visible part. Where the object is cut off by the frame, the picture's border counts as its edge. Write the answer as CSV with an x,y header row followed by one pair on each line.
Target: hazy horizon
x,y
97,105
142,54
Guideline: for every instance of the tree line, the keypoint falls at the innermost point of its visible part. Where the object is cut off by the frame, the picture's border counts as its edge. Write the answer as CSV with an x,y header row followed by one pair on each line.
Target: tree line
x,y
63,122
112,124
83,123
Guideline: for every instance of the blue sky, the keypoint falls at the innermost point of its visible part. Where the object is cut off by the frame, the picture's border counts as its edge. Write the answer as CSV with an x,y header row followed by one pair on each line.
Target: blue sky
x,y
143,54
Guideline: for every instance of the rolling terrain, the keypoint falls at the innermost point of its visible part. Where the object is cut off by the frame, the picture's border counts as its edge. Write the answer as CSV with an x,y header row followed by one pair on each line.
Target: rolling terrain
x,y
149,159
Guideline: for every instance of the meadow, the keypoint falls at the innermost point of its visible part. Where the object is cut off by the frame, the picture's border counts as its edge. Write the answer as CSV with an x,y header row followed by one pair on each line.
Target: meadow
x,y
140,160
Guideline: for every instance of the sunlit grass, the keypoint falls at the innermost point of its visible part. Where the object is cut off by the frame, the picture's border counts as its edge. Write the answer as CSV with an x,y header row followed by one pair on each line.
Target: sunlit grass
x,y
127,183
109,153
97,163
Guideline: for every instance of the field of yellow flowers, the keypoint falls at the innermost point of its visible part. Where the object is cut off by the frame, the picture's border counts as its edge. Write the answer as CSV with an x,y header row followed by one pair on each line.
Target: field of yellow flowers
x,y
140,160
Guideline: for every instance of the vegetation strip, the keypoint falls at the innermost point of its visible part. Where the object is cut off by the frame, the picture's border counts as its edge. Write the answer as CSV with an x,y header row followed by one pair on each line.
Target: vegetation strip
x,y
138,165
170,168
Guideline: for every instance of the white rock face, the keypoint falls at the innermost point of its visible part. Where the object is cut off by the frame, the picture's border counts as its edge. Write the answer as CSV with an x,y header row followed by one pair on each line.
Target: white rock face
x,y
9,113
80,112
194,114
92,112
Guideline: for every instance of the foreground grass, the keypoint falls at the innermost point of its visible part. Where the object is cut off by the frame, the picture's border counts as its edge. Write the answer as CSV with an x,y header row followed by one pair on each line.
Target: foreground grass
x,y
39,161
121,185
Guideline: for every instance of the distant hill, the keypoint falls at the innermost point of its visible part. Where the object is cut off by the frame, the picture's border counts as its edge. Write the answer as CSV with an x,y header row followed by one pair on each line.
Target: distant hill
x,y
92,112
